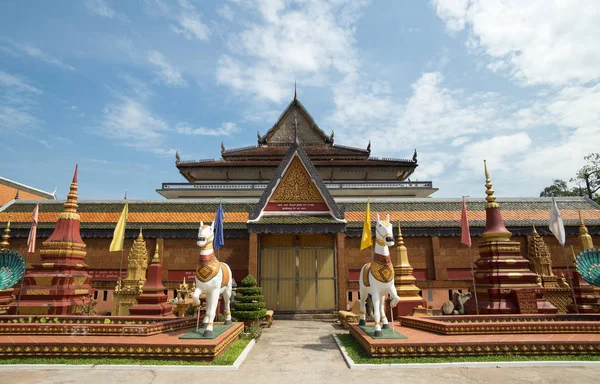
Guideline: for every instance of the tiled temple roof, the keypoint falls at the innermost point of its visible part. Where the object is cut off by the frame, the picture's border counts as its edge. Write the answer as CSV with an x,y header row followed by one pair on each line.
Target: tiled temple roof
x,y
417,216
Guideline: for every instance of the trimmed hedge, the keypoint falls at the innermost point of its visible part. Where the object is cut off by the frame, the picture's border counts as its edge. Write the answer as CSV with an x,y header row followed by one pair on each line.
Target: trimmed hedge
x,y
249,304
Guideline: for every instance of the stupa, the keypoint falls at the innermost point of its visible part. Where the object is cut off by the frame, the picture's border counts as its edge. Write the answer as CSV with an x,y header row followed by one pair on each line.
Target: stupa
x,y
404,280
153,300
504,282
558,291
59,283
131,287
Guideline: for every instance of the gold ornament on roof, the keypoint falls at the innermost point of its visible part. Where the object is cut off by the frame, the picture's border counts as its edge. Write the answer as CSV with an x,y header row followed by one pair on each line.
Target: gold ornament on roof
x,y
491,199
156,258
585,240
296,186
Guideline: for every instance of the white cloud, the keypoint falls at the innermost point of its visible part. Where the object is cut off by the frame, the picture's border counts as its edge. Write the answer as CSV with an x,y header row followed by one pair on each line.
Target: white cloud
x,y
283,45
131,124
186,20
226,129
17,103
19,84
102,8
31,50
539,42
166,73
225,12
137,86
460,141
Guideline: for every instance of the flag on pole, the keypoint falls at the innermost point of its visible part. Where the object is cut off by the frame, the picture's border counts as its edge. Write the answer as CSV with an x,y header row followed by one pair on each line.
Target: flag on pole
x,y
556,223
119,235
465,236
219,237
366,241
33,230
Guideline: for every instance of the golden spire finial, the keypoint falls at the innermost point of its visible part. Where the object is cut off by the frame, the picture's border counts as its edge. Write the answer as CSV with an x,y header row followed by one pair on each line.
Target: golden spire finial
x,y
585,240
4,243
140,235
491,199
71,203
573,253
156,258
400,240
535,233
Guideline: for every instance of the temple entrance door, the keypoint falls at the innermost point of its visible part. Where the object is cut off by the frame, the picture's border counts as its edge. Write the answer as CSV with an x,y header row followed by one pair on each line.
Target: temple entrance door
x,y
300,277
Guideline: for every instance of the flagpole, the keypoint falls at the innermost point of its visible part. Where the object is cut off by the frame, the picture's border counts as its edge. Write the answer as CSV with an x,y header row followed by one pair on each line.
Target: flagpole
x,y
118,309
22,280
473,277
570,278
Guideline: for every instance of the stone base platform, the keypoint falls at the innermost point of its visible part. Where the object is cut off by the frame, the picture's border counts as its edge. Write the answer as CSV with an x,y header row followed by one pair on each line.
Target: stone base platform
x,y
505,324
421,343
158,346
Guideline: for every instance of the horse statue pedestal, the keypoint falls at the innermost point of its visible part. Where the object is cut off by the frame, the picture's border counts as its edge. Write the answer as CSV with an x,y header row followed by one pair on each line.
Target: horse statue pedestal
x,y
213,278
377,277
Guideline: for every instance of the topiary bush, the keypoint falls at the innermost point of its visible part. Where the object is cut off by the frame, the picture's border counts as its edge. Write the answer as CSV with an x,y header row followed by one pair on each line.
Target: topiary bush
x,y
249,303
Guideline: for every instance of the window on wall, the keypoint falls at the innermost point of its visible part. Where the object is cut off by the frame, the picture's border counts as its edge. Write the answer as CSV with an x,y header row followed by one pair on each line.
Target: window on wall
x,y
450,294
104,295
96,294
430,295
349,295
174,293
166,291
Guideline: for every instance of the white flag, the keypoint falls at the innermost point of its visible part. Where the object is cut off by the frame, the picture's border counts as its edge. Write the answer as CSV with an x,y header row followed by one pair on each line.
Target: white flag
x,y
556,224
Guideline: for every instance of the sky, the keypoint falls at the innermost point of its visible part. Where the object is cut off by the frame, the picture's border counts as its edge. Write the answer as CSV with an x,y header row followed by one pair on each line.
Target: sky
x,y
119,86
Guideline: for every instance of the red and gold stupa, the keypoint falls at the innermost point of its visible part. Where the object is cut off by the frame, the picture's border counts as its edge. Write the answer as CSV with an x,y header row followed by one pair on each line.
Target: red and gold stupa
x,y
505,284
153,301
59,283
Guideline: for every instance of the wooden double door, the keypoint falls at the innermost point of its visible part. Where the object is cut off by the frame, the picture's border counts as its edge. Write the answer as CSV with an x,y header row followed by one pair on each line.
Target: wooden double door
x,y
297,273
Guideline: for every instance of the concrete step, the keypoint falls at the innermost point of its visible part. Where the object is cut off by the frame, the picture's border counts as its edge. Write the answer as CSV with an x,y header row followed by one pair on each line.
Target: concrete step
x,y
306,316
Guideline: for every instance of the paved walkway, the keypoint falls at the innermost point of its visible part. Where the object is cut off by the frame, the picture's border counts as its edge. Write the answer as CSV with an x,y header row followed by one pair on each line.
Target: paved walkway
x,y
304,352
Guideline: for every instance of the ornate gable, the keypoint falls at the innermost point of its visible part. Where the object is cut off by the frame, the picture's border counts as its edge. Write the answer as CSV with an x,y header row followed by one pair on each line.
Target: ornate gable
x,y
282,133
296,189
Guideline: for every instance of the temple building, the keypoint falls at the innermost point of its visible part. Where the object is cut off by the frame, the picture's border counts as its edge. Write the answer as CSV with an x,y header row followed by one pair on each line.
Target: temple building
x,y
294,208
11,190
349,173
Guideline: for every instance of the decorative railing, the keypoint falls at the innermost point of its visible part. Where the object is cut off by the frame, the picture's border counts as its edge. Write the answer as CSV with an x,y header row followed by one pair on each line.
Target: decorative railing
x,y
260,186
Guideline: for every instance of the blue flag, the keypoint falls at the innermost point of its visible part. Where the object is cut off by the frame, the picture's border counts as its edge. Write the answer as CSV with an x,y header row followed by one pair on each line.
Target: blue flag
x,y
219,237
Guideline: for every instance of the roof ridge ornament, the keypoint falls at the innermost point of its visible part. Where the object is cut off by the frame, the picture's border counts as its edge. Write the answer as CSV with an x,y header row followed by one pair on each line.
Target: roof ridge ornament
x,y
177,158
369,147
295,94
414,158
296,127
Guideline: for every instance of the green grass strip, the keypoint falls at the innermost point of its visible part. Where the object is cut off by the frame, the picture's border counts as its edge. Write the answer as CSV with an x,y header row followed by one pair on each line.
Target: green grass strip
x,y
360,356
227,358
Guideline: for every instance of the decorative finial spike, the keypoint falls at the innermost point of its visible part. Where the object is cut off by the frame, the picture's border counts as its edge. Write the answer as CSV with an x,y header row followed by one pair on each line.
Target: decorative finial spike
x,y
125,197
75,174
534,230
140,236
156,258
294,90
491,199
17,195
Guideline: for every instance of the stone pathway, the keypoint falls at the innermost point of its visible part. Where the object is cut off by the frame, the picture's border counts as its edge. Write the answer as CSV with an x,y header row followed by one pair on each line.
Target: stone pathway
x,y
304,352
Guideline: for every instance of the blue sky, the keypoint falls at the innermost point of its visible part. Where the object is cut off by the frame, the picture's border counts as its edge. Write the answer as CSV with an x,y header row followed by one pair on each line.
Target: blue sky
x,y
118,87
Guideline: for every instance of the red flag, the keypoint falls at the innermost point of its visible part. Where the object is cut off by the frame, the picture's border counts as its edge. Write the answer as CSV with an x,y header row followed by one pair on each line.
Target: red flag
x,y
33,230
465,236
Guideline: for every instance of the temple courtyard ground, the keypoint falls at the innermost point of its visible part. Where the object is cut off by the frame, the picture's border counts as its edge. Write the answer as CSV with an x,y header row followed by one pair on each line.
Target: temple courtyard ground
x,y
301,352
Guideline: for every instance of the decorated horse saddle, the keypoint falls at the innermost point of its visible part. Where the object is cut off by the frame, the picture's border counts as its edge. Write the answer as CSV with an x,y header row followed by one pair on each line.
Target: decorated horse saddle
x,y
209,267
381,268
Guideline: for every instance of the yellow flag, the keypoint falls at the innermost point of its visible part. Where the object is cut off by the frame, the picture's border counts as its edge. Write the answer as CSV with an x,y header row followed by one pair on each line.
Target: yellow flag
x,y
117,242
365,241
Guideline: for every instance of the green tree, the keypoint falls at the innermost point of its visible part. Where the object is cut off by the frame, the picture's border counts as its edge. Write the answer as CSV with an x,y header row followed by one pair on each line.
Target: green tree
x,y
249,304
559,188
589,174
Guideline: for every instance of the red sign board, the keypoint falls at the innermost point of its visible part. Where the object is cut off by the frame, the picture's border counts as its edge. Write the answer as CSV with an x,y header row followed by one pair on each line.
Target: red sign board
x,y
107,274
297,207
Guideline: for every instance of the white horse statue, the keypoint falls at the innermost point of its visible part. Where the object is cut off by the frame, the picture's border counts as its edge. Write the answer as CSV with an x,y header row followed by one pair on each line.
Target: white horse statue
x,y
377,277
213,278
